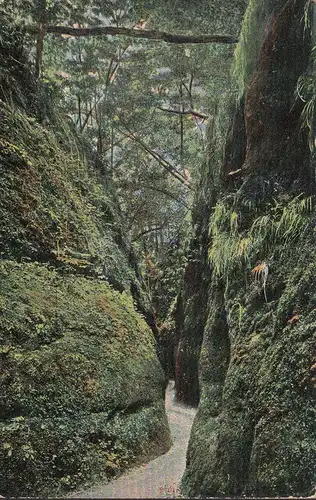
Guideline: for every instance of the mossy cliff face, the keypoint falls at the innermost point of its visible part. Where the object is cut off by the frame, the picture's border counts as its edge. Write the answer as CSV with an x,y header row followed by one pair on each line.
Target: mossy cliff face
x,y
191,325
54,208
81,387
255,428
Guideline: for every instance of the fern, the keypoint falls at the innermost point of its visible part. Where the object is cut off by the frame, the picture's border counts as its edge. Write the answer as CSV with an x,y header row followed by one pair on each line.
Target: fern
x,y
269,233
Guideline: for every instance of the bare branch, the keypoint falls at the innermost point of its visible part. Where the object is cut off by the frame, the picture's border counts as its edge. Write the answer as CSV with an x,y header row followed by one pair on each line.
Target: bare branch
x,y
147,231
111,73
167,193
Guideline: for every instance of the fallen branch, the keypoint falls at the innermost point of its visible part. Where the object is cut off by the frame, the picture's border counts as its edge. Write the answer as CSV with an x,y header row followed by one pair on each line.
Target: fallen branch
x,y
135,33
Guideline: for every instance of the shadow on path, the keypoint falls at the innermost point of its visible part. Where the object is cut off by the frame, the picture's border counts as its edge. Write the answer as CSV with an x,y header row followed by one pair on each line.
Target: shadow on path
x,y
161,477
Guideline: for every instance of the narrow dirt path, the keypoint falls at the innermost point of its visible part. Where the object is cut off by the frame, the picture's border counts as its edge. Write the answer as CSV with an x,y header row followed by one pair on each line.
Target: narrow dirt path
x,y
161,477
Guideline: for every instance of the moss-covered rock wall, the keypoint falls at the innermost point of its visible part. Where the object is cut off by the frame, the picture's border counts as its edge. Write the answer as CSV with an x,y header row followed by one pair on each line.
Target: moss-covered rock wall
x,y
81,387
255,428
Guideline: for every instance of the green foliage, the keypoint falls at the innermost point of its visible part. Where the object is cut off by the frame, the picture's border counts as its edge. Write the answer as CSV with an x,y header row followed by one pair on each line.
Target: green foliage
x,y
270,234
196,16
306,92
247,49
61,452
306,89
80,383
53,205
16,80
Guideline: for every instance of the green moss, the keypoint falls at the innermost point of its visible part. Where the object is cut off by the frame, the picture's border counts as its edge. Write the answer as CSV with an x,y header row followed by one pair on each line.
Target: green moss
x,y
52,205
81,387
262,410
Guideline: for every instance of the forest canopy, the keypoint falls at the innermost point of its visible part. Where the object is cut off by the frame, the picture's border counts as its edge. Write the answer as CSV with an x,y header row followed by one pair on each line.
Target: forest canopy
x,y
140,108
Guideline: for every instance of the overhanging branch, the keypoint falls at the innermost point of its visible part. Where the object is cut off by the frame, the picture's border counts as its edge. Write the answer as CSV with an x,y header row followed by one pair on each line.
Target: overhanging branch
x,y
167,193
135,33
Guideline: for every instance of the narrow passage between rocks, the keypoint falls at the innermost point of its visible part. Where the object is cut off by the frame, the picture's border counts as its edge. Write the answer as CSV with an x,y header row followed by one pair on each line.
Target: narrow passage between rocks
x,y
161,477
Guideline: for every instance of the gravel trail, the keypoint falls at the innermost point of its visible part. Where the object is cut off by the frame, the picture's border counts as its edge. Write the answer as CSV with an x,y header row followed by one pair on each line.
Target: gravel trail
x,y
161,477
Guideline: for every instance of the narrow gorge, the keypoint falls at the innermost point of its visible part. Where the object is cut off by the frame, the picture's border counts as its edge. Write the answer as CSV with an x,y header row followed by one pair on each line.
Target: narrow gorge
x,y
157,249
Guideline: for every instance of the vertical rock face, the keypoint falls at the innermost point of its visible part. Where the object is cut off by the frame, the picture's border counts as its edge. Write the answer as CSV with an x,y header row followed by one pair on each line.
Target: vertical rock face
x,y
193,300
197,278
255,428
196,283
272,114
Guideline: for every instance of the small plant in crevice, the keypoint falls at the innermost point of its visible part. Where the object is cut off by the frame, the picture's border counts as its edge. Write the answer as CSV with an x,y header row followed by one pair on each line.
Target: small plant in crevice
x,y
240,311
